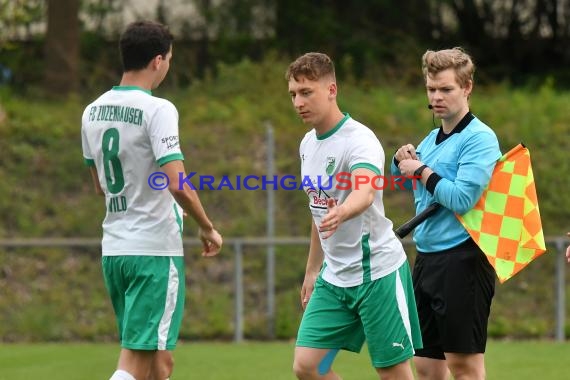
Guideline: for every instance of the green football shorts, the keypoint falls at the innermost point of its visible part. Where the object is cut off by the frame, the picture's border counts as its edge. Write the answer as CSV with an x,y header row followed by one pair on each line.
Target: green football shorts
x,y
382,312
147,293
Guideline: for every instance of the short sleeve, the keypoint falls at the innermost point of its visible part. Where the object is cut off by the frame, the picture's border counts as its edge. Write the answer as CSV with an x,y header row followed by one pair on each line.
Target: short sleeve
x,y
163,132
87,155
365,151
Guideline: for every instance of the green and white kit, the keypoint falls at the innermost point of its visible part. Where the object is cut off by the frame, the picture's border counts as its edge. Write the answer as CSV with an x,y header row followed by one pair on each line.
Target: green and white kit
x,y
363,248
128,134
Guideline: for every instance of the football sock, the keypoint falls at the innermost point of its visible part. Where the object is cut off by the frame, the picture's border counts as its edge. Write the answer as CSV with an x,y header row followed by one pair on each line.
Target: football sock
x,y
122,375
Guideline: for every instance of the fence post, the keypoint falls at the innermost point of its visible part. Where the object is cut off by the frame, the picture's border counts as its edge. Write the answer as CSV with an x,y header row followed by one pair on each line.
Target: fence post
x,y
238,278
560,290
270,235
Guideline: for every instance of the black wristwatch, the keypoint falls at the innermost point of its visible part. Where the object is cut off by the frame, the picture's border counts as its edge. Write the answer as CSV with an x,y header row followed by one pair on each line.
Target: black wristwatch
x,y
418,172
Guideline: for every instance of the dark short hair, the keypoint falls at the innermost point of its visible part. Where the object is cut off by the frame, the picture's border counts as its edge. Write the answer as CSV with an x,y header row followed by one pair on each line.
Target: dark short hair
x,y
141,42
312,66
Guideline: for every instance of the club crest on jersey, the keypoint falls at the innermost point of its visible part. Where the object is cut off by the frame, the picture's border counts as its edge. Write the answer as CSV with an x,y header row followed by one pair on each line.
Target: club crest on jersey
x,y
330,165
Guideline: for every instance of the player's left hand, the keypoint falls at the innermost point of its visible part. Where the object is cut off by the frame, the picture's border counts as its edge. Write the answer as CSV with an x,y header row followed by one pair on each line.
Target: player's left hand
x,y
331,221
211,242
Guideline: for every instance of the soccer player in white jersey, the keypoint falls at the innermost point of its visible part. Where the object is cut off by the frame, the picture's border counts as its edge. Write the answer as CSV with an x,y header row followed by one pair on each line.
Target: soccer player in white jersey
x,y
127,135
357,282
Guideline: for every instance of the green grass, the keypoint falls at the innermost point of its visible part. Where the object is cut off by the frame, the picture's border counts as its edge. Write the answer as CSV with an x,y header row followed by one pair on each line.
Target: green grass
x,y
257,361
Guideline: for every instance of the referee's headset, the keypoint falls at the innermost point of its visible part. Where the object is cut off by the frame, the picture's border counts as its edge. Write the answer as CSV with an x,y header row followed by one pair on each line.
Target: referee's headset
x,y
430,107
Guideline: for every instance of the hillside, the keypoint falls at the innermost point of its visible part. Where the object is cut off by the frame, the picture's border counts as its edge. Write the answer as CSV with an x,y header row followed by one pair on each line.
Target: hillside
x,y
46,192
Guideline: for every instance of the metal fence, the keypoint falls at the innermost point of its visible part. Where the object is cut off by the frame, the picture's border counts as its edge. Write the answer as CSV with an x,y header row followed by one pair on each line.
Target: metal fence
x,y
237,245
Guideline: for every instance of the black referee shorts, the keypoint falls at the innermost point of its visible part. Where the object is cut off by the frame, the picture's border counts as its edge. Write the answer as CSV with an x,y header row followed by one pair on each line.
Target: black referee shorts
x,y
453,290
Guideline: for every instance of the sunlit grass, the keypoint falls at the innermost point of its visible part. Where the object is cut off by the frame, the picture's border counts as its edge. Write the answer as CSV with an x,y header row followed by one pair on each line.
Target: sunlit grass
x,y
257,361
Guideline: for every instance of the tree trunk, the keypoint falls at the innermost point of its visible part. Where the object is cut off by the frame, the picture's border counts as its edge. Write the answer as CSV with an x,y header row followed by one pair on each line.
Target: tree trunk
x,y
61,75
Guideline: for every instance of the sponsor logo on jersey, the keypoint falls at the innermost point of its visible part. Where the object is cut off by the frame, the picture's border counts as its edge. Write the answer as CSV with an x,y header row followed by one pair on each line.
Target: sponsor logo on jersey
x,y
170,141
317,197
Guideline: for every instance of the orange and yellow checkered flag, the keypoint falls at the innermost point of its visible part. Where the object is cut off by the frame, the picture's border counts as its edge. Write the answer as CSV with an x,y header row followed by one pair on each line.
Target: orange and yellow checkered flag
x,y
505,222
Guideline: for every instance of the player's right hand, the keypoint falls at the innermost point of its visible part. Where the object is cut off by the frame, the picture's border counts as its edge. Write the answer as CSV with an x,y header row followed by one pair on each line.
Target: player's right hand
x,y
211,241
307,289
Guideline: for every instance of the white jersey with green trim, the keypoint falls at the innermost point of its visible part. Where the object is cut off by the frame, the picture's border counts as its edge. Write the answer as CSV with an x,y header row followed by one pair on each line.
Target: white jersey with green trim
x,y
363,248
128,134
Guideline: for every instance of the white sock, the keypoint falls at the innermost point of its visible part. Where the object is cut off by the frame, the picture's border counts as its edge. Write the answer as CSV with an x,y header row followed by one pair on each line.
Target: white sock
x,y
122,375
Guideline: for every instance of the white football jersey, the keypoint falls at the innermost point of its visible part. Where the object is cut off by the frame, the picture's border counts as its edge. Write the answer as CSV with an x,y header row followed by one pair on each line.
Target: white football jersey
x,y
128,134
363,248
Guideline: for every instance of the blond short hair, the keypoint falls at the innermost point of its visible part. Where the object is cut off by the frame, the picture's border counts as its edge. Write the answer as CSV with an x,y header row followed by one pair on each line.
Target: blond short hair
x,y
457,59
313,66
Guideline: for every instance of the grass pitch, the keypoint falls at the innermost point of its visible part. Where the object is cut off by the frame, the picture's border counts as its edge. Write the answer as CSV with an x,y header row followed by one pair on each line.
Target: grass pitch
x,y
257,361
